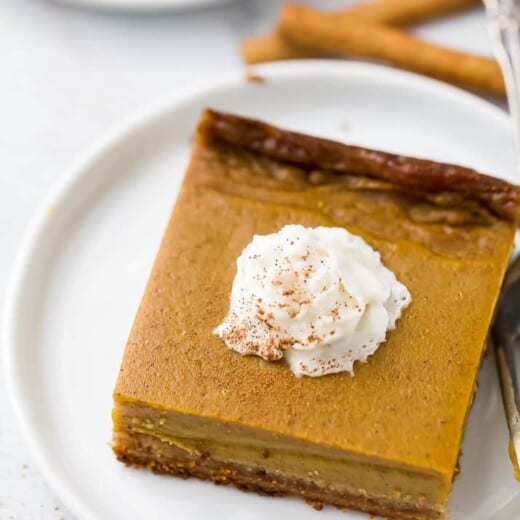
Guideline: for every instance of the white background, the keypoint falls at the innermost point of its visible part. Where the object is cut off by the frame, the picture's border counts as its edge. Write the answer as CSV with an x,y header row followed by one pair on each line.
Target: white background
x,y
67,76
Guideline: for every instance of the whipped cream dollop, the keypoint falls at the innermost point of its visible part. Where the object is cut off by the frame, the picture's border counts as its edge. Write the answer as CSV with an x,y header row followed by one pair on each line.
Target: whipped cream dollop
x,y
319,297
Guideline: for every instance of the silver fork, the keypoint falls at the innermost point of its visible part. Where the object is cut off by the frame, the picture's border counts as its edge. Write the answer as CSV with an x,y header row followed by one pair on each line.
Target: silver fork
x,y
503,20
503,17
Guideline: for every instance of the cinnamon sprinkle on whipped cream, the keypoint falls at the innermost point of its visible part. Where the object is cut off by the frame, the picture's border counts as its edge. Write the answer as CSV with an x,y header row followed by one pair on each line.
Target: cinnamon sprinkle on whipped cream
x,y
319,297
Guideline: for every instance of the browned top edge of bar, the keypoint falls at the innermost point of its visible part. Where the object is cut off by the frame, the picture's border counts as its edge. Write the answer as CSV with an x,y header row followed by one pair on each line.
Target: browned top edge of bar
x,y
418,177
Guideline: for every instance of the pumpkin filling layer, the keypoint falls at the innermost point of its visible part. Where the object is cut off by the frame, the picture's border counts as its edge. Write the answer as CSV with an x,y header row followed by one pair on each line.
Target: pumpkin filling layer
x,y
182,442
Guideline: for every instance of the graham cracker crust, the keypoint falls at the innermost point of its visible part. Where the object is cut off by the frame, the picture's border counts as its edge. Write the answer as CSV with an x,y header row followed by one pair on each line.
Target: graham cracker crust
x,y
146,451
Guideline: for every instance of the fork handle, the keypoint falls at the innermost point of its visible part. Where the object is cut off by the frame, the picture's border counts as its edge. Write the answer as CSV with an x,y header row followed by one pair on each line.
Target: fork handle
x,y
504,29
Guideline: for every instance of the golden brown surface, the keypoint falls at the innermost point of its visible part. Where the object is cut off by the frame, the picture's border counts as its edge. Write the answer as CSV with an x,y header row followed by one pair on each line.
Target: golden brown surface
x,y
406,407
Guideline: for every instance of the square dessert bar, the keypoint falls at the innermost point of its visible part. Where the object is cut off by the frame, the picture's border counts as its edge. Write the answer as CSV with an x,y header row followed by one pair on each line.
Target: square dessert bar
x,y
385,441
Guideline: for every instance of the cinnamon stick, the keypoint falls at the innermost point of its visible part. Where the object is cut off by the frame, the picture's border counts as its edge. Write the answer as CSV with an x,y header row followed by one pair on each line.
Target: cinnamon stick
x,y
405,12
273,47
326,35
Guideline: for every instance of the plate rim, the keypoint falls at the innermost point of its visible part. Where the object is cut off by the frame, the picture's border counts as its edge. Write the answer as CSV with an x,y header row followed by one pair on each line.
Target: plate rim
x,y
142,6
86,161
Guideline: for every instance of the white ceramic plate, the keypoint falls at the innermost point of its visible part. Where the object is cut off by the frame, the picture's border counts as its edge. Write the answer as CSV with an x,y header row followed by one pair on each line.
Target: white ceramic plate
x,y
87,257
145,5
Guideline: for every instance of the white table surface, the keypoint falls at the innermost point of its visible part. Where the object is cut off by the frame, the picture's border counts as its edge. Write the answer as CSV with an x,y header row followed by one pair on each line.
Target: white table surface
x,y
67,76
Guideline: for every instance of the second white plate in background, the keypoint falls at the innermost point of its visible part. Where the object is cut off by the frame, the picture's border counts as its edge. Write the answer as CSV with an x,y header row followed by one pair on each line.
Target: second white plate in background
x,y
146,5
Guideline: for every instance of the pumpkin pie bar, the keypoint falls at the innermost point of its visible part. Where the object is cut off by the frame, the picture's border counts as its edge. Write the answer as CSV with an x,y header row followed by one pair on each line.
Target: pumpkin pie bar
x,y
384,441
